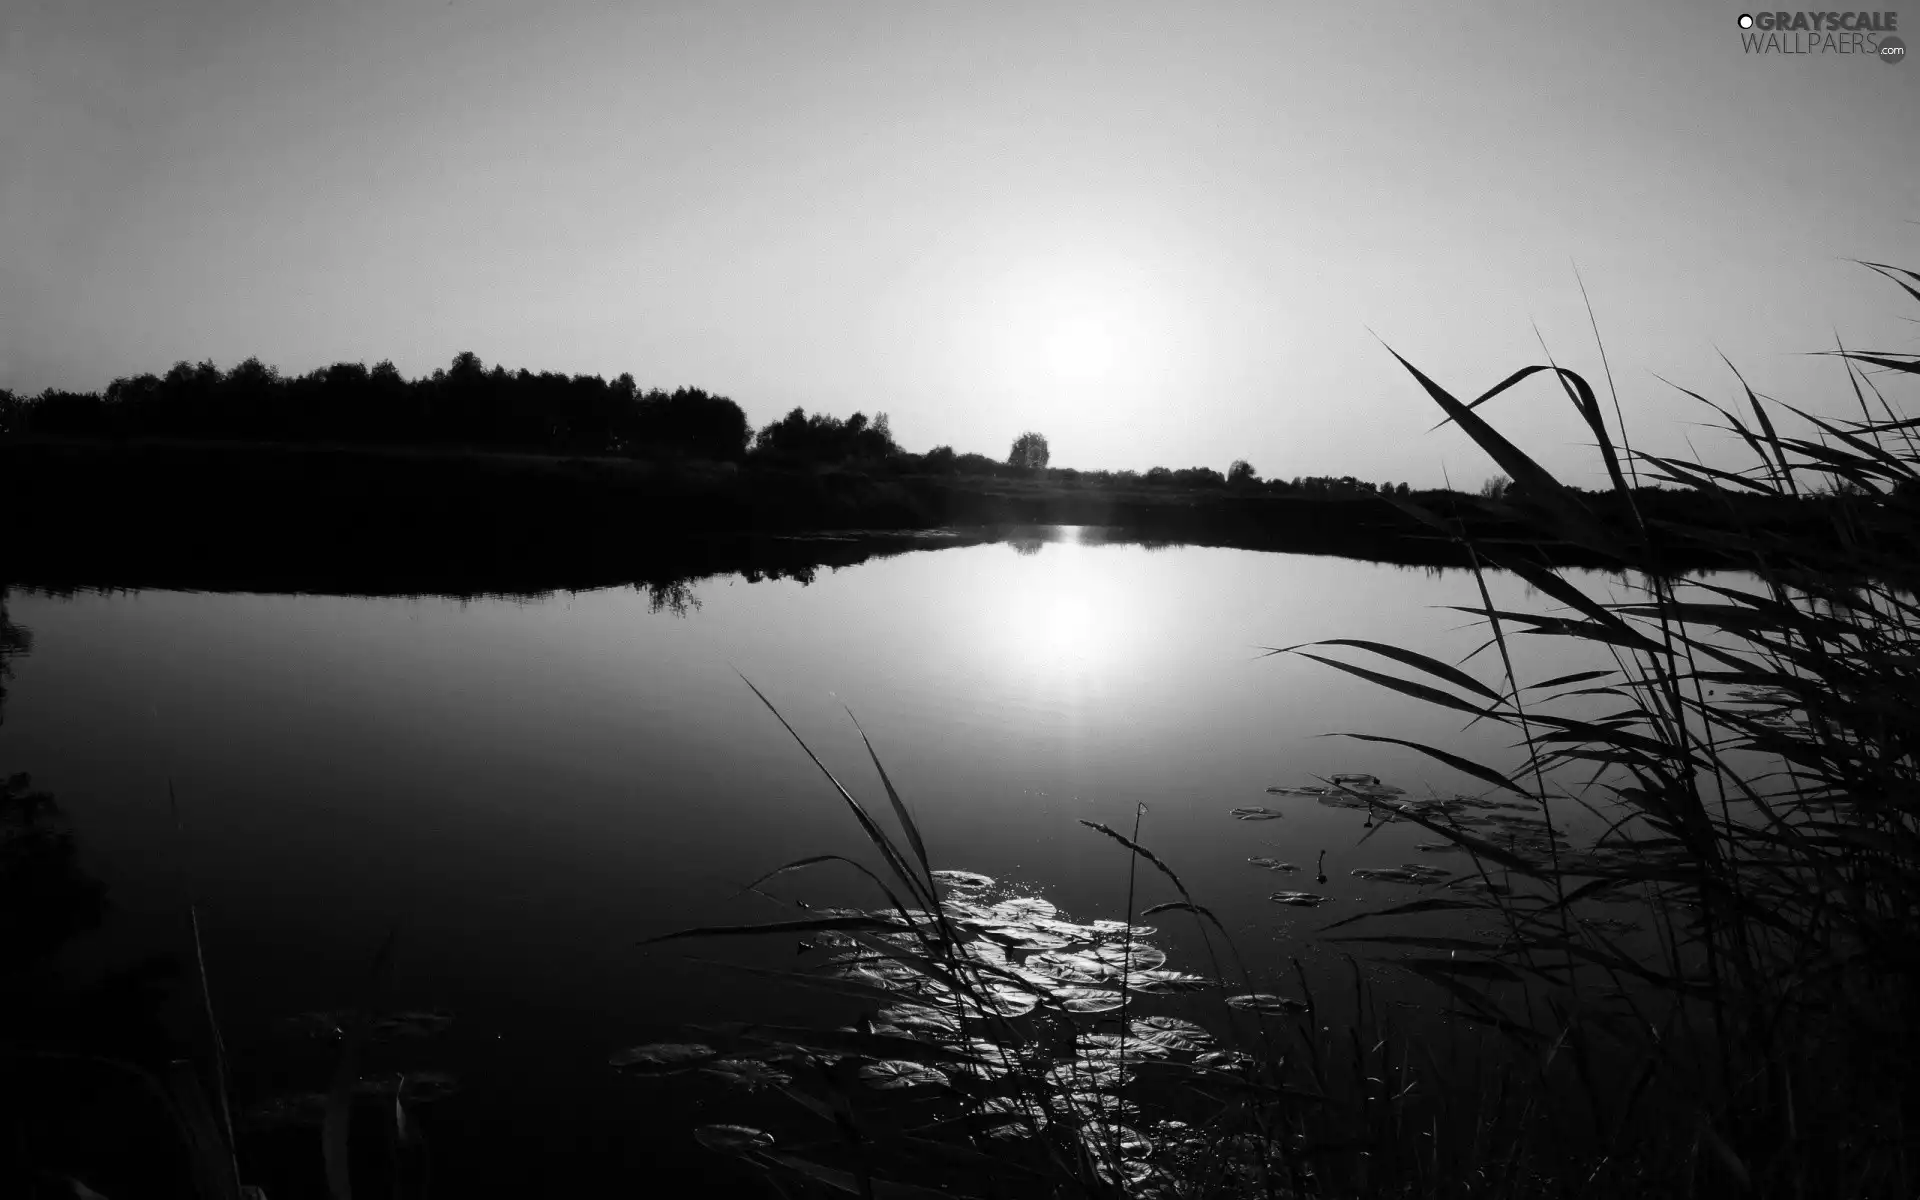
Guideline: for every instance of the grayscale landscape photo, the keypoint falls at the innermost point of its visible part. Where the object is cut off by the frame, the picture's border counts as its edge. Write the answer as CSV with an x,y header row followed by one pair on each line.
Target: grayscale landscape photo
x,y
893,599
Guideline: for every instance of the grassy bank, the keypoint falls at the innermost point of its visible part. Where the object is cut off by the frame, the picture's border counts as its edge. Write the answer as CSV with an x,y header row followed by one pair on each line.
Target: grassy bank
x,y
278,517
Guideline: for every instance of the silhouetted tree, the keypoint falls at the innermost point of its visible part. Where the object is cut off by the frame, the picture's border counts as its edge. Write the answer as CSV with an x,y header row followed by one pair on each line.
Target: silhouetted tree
x,y
1241,473
1029,452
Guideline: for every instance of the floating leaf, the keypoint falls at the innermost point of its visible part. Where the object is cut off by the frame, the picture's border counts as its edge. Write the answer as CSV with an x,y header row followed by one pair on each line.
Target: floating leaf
x,y
1138,955
1022,908
1012,1117
963,879
1002,999
1410,873
1111,1047
1083,1074
1167,981
1273,864
1298,899
1108,1139
1066,967
732,1139
1256,814
1066,929
1022,937
1081,999
1225,1060
663,1058
893,1074
1100,1106
749,1073
931,1021
1171,1033
1266,1004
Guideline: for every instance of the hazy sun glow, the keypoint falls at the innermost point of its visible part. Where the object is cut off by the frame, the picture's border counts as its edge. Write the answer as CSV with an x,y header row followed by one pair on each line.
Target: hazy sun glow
x,y
1073,322
1080,347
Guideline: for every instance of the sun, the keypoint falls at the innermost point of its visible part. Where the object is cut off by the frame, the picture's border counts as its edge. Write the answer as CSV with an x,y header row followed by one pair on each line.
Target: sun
x,y
1080,346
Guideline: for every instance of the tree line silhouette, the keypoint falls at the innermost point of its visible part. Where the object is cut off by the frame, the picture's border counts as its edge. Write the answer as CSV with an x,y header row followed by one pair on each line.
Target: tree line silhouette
x,y
467,404
463,404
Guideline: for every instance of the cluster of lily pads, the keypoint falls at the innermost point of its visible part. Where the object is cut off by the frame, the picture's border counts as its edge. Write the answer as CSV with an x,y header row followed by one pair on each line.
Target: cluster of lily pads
x,y
1490,823
996,1020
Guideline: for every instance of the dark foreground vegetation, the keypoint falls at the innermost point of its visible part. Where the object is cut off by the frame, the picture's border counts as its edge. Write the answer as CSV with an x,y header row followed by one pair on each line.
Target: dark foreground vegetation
x,y
473,480
1695,971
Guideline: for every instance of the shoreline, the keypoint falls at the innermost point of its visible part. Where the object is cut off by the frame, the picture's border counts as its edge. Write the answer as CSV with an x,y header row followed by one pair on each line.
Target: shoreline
x,y
224,516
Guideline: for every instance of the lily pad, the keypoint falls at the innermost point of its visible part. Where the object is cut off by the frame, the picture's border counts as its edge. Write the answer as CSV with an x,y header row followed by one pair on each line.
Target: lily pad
x,y
749,1073
1266,1004
1171,1033
1067,967
1138,956
733,1139
1225,1060
1011,1117
1097,1048
1083,1074
1167,981
1256,814
1021,908
1081,999
1107,1140
963,879
894,1074
1298,899
1023,937
663,1058
1410,873
1003,999
1273,864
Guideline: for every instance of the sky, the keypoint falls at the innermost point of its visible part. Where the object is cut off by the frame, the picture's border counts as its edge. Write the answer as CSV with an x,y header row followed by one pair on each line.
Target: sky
x,y
1158,234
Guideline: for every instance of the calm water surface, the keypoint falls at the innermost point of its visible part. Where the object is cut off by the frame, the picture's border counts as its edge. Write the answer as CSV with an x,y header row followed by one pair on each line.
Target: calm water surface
x,y
527,788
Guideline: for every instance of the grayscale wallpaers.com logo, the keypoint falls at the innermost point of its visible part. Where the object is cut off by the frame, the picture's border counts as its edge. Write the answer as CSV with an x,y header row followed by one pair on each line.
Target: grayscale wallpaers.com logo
x,y
1868,34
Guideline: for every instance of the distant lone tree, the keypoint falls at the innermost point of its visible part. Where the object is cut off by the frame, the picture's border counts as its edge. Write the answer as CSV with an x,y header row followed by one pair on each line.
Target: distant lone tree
x,y
1241,473
1029,452
1496,488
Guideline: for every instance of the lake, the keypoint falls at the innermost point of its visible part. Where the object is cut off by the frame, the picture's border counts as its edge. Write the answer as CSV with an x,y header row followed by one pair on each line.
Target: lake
x,y
527,787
